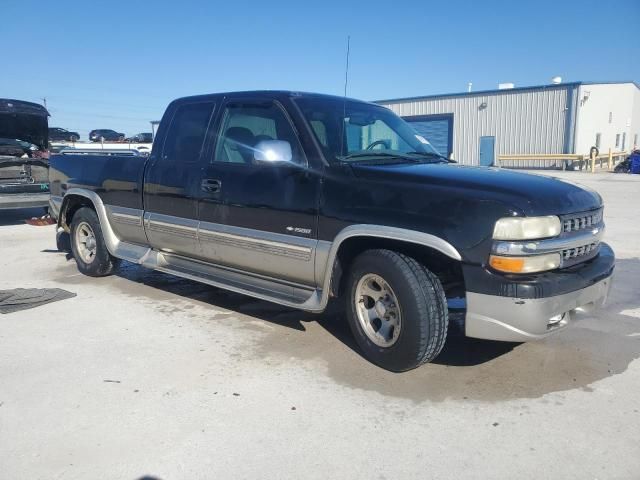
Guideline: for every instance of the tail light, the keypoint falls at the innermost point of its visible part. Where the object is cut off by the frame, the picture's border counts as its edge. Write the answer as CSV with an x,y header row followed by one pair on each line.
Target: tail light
x,y
41,154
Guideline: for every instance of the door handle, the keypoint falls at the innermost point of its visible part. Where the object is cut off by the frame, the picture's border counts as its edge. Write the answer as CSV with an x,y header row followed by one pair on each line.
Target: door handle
x,y
210,185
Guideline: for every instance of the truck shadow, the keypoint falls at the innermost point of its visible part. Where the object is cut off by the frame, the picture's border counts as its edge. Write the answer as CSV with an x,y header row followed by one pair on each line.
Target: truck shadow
x,y
593,348
459,350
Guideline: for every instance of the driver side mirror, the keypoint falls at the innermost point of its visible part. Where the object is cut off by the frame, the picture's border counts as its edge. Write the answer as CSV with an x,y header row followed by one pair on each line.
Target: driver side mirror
x,y
273,152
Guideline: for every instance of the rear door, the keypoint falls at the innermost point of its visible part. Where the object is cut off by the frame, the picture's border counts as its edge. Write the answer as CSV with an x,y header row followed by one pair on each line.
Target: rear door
x,y
172,180
255,216
487,151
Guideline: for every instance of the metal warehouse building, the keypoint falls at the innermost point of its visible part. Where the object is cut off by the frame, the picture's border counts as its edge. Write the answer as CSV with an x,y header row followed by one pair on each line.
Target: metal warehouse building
x,y
476,127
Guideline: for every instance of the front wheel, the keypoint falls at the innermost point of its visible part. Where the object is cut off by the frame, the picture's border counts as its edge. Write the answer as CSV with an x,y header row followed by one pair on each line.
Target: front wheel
x,y
88,246
397,310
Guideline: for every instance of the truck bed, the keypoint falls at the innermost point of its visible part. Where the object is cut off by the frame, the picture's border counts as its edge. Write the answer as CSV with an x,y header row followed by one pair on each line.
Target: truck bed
x,y
116,177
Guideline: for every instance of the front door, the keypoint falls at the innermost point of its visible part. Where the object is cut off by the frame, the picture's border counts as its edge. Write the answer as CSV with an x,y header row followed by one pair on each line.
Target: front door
x,y
258,216
172,180
487,151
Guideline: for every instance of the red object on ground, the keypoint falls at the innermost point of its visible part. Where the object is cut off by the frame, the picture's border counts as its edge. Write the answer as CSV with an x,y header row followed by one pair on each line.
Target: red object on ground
x,y
40,221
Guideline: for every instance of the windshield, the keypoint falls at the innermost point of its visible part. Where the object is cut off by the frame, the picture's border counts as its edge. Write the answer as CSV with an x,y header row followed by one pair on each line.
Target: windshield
x,y
350,131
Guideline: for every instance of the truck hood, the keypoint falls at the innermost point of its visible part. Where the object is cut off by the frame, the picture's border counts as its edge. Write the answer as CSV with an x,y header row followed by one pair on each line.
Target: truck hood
x,y
531,194
24,122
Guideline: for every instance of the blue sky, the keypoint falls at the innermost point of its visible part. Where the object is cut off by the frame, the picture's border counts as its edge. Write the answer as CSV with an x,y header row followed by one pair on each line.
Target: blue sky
x,y
117,64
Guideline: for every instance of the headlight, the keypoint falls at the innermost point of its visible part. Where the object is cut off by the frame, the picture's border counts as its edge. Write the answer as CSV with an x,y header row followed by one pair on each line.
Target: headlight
x,y
526,228
532,264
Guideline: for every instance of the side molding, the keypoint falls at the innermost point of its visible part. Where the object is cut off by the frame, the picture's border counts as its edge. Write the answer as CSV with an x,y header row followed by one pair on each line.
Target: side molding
x,y
310,300
116,247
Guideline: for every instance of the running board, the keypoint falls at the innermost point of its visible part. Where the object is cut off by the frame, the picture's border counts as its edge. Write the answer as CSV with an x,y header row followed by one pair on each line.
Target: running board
x,y
263,288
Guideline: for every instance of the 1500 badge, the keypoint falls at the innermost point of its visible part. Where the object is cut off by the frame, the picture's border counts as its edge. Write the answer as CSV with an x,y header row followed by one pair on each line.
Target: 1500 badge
x,y
306,231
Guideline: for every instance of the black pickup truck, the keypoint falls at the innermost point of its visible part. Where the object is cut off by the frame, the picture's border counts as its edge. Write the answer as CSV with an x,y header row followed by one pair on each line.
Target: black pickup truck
x,y
295,198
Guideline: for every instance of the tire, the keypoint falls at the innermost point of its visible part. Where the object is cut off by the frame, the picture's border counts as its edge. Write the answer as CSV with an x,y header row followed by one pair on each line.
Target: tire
x,y
92,259
420,306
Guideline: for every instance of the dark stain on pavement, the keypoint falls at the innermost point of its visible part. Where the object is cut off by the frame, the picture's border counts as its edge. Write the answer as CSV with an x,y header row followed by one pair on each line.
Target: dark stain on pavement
x,y
588,351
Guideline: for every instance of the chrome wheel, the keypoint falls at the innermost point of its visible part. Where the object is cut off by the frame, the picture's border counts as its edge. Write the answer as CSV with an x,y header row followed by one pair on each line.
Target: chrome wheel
x,y
378,310
85,241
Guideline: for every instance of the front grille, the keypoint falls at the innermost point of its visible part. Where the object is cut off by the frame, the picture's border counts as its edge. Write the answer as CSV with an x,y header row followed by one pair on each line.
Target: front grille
x,y
581,221
579,251
572,256
579,224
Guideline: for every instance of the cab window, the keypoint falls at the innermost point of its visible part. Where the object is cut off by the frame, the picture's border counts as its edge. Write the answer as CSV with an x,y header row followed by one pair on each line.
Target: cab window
x,y
185,137
245,125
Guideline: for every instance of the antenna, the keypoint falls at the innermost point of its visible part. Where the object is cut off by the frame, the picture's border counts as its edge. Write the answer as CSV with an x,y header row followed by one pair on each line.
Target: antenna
x,y
44,99
344,102
346,70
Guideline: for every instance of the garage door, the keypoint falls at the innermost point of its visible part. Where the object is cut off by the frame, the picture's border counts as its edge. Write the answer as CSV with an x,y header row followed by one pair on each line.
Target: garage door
x,y
438,129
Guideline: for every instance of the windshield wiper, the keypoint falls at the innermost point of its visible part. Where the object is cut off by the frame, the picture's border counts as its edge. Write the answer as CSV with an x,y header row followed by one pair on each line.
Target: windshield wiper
x,y
370,155
438,156
367,154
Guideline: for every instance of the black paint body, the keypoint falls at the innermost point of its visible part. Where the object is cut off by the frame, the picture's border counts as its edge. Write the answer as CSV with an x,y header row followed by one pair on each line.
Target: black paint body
x,y
459,204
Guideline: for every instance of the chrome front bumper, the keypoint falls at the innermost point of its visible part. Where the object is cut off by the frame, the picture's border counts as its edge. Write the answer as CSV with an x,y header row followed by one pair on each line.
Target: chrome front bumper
x,y
493,317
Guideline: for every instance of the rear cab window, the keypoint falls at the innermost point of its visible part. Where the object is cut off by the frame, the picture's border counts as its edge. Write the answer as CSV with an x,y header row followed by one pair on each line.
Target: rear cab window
x,y
185,138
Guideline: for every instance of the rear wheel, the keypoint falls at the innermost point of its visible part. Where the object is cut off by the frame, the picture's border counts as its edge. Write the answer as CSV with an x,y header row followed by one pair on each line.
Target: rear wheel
x,y
88,246
397,310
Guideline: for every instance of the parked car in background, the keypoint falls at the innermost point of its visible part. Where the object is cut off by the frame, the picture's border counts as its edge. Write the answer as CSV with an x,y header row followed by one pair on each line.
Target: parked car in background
x,y
146,137
296,197
105,135
24,158
57,134
626,166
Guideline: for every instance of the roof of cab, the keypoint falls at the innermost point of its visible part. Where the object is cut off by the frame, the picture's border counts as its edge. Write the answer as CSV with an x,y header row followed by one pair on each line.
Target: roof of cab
x,y
275,94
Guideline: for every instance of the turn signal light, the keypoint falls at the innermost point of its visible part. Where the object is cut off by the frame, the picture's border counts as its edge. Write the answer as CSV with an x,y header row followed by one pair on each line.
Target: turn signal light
x,y
534,263
507,264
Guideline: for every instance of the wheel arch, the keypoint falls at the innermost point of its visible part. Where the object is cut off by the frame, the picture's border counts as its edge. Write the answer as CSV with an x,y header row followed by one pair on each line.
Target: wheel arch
x,y
76,198
436,254
71,203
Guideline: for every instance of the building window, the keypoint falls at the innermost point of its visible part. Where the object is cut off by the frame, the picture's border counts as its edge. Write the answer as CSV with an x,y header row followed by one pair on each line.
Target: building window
x,y
624,140
437,129
617,140
598,137
635,141
610,117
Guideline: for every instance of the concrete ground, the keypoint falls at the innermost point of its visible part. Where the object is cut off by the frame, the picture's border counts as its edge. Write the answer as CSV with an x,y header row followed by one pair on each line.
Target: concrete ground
x,y
144,375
